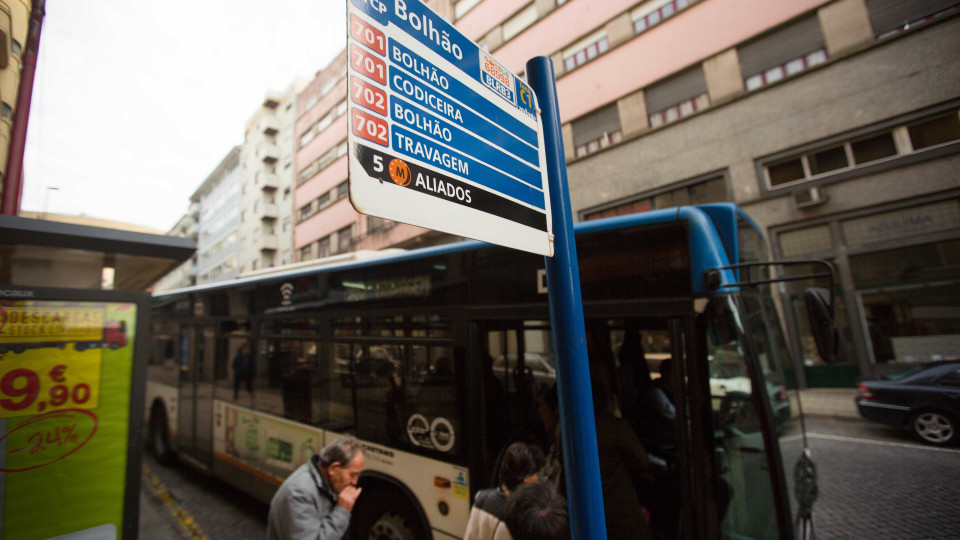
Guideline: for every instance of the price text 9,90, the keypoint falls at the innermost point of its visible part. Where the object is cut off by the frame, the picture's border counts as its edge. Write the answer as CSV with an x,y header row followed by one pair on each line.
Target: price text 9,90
x,y
24,391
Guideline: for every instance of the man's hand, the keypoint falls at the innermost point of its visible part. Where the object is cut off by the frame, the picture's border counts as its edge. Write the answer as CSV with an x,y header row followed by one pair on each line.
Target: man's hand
x,y
348,497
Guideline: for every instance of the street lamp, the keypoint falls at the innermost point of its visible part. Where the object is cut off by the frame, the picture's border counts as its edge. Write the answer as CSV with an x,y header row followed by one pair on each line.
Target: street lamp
x,y
46,197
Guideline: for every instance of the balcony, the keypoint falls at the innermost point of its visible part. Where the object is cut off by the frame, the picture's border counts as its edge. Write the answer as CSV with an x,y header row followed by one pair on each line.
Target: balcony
x,y
268,181
272,99
269,153
270,125
268,211
268,243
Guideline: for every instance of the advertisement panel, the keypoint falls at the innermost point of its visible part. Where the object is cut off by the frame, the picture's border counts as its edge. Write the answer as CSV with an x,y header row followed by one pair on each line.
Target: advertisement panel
x,y
67,373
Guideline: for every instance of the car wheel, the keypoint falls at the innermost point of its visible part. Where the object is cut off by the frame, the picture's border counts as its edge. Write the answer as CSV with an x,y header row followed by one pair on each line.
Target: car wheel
x,y
934,427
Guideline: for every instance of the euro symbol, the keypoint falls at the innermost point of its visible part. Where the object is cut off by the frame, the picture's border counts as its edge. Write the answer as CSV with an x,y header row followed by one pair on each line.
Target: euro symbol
x,y
56,374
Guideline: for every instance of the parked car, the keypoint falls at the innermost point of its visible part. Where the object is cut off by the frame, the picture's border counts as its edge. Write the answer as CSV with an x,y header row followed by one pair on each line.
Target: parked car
x,y
725,380
925,400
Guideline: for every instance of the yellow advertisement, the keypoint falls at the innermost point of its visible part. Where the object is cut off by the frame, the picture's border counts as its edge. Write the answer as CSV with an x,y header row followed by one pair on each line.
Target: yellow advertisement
x,y
65,389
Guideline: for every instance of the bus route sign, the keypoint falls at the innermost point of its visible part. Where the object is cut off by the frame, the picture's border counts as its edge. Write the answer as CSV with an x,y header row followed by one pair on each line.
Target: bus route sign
x,y
441,134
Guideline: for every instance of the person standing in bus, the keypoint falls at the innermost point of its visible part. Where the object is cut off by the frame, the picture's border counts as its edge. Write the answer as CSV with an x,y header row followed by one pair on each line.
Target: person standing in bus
x,y
242,370
315,501
536,511
520,464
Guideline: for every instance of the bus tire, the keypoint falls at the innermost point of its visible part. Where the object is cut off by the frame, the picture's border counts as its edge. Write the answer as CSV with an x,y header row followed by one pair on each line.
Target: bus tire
x,y
114,346
3,349
80,347
387,515
159,435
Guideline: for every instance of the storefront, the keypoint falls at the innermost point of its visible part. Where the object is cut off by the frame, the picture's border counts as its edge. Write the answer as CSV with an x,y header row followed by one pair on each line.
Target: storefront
x,y
898,286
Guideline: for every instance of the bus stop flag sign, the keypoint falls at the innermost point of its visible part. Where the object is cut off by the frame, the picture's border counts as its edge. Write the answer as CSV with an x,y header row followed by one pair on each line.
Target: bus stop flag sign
x,y
441,135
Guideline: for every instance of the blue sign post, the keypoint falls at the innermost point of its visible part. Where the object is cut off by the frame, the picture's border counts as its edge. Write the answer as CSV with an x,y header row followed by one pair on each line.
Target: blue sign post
x,y
580,456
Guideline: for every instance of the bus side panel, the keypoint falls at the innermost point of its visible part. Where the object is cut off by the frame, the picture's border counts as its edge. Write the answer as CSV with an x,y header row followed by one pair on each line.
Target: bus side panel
x,y
266,449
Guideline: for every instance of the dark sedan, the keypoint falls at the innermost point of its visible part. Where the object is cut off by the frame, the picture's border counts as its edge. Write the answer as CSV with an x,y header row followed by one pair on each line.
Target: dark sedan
x,y
925,400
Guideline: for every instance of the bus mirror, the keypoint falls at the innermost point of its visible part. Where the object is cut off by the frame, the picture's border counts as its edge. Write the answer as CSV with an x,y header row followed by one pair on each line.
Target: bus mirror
x,y
820,315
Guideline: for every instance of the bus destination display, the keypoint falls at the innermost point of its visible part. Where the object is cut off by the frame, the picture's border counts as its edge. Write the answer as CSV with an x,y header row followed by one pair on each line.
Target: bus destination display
x,y
441,134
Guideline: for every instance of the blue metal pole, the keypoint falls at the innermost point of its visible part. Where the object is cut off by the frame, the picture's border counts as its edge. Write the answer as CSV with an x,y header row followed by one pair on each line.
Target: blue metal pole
x,y
578,428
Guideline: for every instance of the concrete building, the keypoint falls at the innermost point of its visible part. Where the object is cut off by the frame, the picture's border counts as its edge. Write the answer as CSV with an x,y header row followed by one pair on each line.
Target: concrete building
x,y
266,198
833,123
325,221
184,275
218,199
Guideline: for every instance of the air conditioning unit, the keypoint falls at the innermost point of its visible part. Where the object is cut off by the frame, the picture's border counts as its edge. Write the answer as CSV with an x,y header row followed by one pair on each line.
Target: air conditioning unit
x,y
809,197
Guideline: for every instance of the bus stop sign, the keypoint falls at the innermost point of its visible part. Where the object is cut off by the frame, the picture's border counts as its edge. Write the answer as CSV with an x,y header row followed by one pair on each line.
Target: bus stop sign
x,y
441,134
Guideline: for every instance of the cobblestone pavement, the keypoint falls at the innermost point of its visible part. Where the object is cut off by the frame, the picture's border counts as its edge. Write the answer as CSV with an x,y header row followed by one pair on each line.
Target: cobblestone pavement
x,y
877,483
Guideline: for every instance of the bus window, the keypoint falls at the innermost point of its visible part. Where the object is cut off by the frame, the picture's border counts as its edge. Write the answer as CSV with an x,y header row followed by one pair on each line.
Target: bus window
x,y
745,490
380,384
434,401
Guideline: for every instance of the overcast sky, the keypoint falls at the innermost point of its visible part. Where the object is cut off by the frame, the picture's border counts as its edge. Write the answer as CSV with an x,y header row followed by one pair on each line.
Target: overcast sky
x,y
136,101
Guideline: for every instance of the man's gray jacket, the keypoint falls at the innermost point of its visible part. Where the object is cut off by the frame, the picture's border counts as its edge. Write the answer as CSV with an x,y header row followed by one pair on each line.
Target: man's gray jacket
x,y
305,508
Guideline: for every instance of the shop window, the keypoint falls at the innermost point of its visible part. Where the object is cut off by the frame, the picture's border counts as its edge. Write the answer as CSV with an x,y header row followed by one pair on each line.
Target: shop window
x,y
940,130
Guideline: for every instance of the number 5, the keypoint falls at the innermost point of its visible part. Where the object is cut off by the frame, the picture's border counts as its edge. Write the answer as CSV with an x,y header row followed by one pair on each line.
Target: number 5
x,y
378,163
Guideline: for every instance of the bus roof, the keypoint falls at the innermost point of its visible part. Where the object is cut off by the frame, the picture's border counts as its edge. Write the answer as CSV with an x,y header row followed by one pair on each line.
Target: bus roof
x,y
712,235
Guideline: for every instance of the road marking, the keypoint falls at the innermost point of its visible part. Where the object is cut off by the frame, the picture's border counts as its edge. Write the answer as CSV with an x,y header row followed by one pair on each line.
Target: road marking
x,y
166,499
869,441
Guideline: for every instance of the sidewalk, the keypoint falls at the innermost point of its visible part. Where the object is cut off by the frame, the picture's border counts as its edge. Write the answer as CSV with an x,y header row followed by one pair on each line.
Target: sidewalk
x,y
826,403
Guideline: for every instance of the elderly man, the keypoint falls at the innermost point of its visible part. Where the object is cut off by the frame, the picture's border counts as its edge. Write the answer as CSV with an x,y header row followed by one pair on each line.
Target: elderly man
x,y
316,500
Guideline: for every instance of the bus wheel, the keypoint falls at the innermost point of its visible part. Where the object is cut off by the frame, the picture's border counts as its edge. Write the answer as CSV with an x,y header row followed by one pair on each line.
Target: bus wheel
x,y
387,514
79,347
114,346
159,439
19,349
390,526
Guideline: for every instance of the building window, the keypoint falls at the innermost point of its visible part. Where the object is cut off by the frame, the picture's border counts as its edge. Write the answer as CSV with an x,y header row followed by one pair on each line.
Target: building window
x,y
585,50
654,12
306,211
864,150
323,247
377,224
306,252
5,110
596,130
681,95
323,201
936,131
463,6
889,17
520,22
344,239
785,70
323,123
342,190
321,163
781,53
700,191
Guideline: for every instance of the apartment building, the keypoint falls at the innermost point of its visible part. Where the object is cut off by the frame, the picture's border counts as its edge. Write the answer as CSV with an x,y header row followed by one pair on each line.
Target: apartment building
x,y
218,199
266,182
14,23
833,123
184,275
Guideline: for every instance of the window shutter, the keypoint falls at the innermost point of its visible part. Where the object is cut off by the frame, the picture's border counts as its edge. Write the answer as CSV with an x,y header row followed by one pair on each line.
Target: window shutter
x,y
887,15
595,124
681,87
781,46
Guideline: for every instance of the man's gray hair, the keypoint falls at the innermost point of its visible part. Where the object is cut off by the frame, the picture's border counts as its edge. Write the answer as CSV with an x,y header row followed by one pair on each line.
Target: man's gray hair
x,y
342,450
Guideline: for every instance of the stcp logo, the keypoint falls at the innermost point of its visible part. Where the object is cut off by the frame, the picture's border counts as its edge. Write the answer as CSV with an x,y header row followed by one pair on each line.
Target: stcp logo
x,y
286,294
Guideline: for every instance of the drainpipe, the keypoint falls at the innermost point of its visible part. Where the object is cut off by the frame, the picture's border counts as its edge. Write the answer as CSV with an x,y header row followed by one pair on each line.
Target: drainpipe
x,y
13,182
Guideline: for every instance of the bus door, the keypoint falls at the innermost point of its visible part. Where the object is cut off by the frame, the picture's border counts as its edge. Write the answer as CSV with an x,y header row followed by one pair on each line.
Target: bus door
x,y
517,363
197,354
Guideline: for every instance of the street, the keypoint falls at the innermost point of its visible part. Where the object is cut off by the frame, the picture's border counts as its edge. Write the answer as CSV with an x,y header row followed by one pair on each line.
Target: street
x,y
874,482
